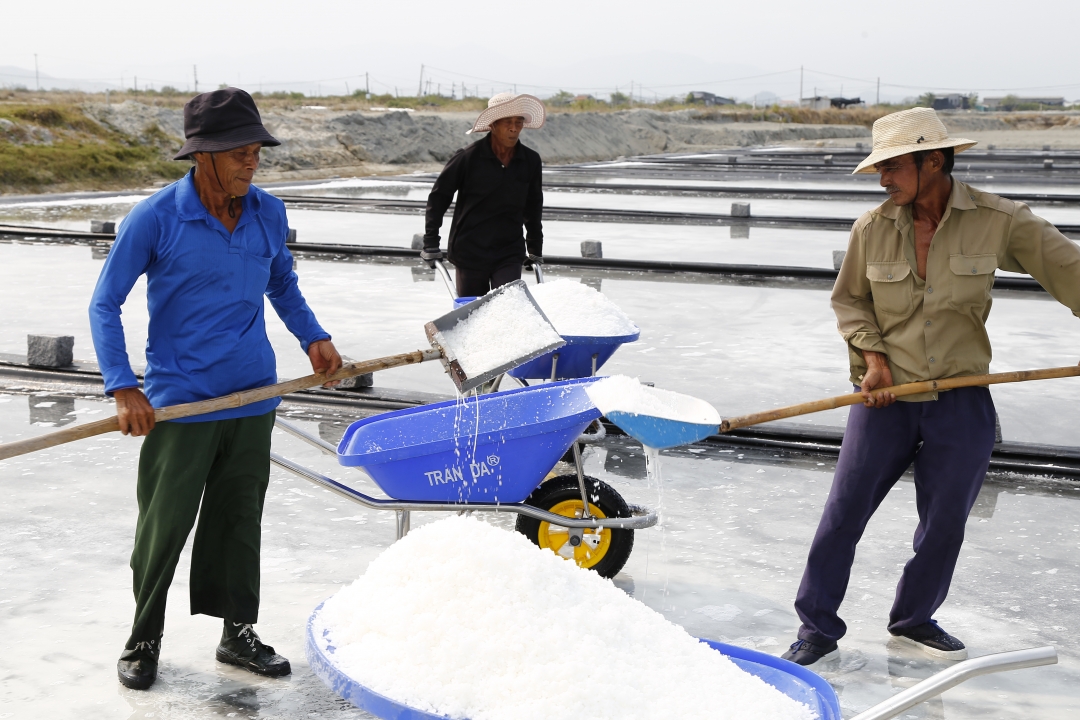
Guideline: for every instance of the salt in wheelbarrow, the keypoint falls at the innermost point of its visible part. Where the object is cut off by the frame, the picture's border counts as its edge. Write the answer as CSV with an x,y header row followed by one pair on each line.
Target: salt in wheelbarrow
x,y
490,453
580,357
797,682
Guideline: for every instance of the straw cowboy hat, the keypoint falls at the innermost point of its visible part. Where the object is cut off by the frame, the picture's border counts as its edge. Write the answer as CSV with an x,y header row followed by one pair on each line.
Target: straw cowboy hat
x,y
506,105
909,131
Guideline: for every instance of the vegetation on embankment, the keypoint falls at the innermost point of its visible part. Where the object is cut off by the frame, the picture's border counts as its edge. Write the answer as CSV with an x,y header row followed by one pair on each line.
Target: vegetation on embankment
x,y
55,146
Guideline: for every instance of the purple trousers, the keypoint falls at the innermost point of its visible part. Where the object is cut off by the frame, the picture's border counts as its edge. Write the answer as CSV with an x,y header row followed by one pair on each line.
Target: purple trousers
x,y
950,441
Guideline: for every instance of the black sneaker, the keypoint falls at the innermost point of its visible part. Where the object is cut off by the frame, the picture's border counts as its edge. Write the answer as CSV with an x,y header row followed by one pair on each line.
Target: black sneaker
x,y
802,652
137,667
932,640
241,646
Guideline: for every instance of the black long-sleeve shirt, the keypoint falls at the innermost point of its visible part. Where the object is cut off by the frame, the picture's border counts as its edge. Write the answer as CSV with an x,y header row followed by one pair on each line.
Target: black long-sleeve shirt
x,y
493,204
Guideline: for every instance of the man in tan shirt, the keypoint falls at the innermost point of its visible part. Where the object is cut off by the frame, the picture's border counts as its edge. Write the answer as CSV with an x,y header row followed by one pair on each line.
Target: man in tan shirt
x,y
911,300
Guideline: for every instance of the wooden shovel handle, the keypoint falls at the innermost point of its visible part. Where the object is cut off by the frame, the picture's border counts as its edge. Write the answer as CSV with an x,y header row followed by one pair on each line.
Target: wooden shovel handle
x,y
238,399
898,390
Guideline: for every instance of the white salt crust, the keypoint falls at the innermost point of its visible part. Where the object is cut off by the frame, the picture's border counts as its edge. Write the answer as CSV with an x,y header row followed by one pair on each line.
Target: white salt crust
x,y
576,309
505,329
619,393
465,619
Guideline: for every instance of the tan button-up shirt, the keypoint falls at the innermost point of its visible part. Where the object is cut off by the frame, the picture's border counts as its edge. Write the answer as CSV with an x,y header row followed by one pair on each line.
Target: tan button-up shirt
x,y
935,328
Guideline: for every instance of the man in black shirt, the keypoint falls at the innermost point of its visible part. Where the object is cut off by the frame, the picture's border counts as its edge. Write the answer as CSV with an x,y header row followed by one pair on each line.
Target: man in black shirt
x,y
497,181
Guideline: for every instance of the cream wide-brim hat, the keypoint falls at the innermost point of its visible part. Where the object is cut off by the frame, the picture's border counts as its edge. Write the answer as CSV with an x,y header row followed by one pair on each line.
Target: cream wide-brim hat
x,y
506,105
909,131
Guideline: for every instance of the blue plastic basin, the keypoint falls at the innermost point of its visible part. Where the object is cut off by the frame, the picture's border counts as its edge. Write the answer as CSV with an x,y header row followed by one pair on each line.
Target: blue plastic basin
x,y
575,357
795,681
487,448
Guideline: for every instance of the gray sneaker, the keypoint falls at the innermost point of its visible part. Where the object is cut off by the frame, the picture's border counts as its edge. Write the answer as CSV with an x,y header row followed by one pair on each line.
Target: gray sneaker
x,y
804,653
932,640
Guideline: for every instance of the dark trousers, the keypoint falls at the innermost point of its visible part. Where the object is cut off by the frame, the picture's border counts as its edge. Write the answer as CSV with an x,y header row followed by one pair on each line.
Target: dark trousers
x,y
950,441
474,283
225,464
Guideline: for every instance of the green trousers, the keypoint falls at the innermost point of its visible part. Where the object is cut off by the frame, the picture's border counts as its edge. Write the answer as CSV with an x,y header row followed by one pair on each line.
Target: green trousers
x,y
217,471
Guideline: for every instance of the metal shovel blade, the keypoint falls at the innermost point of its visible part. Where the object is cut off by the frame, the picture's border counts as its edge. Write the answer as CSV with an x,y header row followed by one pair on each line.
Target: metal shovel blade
x,y
438,337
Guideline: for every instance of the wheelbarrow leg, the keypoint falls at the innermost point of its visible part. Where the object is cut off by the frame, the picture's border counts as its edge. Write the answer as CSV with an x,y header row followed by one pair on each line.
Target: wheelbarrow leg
x,y
577,535
554,365
403,522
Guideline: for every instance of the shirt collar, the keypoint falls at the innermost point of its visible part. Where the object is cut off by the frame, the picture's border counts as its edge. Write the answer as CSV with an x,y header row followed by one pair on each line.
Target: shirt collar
x,y
490,152
189,205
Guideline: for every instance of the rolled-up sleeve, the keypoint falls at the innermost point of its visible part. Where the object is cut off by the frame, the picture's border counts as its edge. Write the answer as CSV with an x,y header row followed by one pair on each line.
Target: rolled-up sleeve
x,y
1039,249
283,290
128,258
851,296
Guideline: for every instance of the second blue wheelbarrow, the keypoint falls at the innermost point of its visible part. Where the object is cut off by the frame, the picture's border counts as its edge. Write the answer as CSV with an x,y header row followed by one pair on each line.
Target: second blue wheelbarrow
x,y
580,357
491,453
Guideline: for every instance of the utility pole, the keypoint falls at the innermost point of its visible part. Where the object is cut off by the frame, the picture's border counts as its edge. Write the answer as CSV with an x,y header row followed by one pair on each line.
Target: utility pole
x,y
421,90
800,84
878,101
136,83
367,86
195,71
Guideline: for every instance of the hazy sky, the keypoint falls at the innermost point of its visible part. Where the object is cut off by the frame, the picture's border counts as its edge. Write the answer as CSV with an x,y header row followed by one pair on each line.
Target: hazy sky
x,y
665,48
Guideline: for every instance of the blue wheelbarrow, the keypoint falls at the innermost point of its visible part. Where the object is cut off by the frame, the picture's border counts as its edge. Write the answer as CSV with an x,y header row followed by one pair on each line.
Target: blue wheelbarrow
x,y
580,357
491,453
797,682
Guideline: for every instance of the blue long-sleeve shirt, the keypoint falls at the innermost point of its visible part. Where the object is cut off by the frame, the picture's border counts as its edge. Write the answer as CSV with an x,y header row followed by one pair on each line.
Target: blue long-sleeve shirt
x,y
205,287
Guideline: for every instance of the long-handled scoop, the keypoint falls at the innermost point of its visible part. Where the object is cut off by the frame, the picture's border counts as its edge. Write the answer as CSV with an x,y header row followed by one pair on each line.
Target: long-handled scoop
x,y
899,390
446,346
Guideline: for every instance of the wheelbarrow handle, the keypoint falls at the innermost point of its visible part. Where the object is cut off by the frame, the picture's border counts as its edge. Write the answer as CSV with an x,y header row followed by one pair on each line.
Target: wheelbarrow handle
x,y
961,672
444,273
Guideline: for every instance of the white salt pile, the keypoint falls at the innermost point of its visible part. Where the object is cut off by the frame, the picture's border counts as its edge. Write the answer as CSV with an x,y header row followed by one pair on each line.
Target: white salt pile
x,y
465,619
501,331
576,309
620,393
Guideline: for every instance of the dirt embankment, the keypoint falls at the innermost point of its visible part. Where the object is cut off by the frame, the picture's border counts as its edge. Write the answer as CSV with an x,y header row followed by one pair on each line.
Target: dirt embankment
x,y
321,142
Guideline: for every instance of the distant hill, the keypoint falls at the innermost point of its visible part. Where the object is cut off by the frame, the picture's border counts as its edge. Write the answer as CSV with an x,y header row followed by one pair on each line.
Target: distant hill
x,y
12,76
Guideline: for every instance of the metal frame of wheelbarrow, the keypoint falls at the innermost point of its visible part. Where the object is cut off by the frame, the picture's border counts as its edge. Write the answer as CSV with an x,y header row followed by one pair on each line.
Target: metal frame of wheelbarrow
x,y
641,517
953,676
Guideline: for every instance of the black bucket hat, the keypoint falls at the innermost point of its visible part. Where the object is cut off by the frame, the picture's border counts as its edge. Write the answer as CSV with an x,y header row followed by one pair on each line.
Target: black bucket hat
x,y
222,120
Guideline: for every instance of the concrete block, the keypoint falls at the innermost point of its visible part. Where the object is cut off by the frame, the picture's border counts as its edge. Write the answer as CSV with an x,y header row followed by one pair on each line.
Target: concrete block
x,y
291,236
1048,164
49,350
99,253
103,226
417,242
1046,148
991,147
730,159
740,209
355,383
592,249
740,231
858,146
827,159
838,258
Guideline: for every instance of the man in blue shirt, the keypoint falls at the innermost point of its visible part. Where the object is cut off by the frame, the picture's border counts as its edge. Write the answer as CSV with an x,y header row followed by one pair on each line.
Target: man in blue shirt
x,y
211,245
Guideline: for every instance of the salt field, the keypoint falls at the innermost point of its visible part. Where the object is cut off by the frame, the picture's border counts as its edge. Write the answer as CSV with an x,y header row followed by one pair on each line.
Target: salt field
x,y
736,516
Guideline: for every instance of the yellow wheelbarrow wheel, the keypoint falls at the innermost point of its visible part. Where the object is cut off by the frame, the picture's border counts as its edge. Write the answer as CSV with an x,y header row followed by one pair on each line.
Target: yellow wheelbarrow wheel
x,y
605,550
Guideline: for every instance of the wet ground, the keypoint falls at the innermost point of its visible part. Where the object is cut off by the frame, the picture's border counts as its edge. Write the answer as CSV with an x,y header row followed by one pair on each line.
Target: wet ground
x,y
725,564
737,523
